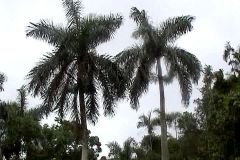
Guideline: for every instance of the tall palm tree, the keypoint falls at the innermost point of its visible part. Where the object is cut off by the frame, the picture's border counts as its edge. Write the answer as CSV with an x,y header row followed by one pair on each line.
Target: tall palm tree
x,y
72,76
148,122
158,46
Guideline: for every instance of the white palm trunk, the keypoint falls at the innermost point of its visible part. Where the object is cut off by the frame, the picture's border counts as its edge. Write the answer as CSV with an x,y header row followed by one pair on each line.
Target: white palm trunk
x,y
164,145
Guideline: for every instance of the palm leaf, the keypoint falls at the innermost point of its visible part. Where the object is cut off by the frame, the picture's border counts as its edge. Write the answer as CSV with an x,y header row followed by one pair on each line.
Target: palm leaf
x,y
112,81
173,28
47,31
73,12
100,29
141,80
92,101
129,60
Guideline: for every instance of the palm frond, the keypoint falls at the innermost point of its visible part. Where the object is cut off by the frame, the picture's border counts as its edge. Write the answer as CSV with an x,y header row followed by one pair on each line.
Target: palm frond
x,y
47,31
129,60
100,29
227,52
173,28
147,121
41,73
92,101
145,30
143,121
140,17
73,12
141,81
190,63
186,67
75,113
184,79
112,81
185,85
62,99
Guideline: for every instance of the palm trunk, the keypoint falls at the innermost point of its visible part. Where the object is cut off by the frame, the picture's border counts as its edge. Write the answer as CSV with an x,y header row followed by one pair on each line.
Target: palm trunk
x,y
175,125
82,111
82,114
164,145
150,137
84,126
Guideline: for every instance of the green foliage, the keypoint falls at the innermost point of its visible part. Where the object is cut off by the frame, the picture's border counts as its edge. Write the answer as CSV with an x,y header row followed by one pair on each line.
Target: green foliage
x,y
22,136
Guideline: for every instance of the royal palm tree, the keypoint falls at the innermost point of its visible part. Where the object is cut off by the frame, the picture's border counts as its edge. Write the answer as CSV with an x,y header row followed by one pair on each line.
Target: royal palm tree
x,y
148,122
158,46
72,76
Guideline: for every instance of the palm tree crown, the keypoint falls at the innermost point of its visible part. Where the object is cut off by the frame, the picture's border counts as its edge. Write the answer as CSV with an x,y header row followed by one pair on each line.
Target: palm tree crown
x,y
157,43
74,60
146,121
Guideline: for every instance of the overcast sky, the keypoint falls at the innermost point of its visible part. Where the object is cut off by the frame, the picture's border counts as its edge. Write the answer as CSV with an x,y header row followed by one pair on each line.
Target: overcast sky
x,y
217,21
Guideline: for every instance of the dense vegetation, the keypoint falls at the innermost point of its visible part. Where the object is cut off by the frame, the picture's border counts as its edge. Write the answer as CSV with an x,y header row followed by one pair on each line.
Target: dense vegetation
x,y
73,78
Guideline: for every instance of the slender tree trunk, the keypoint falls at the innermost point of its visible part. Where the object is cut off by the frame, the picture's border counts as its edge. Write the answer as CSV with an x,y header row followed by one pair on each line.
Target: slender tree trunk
x,y
150,137
164,144
84,126
1,156
175,125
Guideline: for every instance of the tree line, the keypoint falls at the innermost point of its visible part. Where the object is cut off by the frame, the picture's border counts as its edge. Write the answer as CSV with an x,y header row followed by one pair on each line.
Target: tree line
x,y
73,78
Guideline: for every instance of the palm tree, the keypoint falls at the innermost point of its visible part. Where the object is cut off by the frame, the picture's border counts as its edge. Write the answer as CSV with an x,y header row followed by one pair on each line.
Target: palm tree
x,y
125,153
115,150
171,119
157,45
72,76
232,56
2,80
149,123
